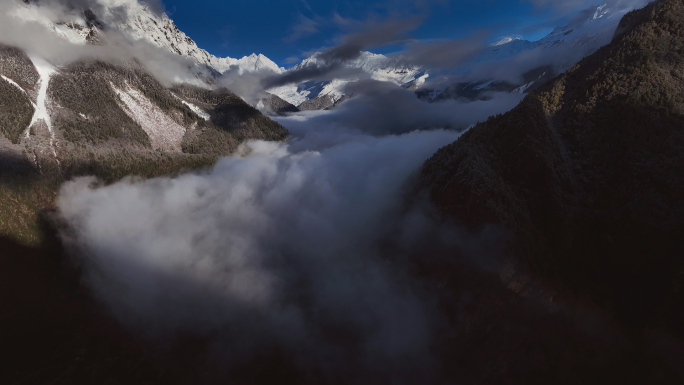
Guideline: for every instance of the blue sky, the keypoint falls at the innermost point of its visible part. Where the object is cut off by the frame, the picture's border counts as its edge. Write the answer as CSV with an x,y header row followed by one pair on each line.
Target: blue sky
x,y
285,30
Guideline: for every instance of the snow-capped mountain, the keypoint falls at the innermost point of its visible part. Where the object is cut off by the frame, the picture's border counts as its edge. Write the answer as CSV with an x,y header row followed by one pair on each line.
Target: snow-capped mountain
x,y
537,61
591,29
66,112
373,66
59,117
137,21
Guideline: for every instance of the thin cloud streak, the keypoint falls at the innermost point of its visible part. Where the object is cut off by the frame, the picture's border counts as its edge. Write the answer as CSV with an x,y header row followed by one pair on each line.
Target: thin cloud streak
x,y
304,27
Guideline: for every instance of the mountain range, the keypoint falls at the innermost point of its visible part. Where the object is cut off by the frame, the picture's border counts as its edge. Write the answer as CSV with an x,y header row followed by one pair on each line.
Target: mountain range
x,y
82,115
578,189
471,80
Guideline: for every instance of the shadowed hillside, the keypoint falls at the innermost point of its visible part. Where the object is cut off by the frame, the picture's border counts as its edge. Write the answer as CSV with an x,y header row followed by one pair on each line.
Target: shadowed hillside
x,y
587,172
232,121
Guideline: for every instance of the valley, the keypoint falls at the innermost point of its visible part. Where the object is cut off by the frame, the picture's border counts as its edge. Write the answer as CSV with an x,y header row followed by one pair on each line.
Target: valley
x,y
508,214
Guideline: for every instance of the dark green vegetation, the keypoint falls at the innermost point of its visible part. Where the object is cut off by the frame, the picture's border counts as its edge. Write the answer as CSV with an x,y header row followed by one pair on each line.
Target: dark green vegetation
x,y
322,102
15,65
23,194
15,104
96,136
88,110
17,111
274,105
84,88
587,173
232,121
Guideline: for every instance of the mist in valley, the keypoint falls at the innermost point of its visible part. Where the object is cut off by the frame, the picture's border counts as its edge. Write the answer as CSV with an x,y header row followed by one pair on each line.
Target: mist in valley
x,y
305,246
322,253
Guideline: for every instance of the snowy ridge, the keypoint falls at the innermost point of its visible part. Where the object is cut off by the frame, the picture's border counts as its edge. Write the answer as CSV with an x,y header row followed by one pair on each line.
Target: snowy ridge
x,y
380,67
589,29
80,26
594,24
375,66
251,63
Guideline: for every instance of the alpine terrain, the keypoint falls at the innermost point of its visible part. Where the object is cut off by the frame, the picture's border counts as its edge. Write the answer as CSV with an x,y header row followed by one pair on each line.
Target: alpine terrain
x,y
586,175
168,216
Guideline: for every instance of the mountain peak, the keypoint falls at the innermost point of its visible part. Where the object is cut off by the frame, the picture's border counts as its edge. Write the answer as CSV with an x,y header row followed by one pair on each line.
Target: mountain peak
x,y
505,40
138,21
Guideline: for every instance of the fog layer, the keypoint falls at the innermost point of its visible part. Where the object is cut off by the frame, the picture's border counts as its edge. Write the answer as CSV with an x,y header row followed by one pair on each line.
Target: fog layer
x,y
302,246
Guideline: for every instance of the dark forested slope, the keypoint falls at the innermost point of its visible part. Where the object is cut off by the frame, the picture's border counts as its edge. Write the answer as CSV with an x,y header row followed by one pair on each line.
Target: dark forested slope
x,y
587,172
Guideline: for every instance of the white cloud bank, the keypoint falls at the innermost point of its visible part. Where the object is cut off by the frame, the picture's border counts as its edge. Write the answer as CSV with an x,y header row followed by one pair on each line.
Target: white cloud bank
x,y
284,246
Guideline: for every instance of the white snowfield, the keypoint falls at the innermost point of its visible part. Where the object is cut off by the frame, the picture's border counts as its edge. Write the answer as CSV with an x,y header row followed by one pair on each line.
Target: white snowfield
x,y
164,133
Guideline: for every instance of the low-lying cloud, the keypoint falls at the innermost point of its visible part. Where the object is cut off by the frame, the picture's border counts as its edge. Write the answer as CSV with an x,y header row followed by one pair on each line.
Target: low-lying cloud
x,y
381,108
287,247
304,248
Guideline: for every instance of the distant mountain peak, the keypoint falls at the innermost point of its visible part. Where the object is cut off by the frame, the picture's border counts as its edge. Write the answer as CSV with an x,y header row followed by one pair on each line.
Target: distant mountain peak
x,y
505,40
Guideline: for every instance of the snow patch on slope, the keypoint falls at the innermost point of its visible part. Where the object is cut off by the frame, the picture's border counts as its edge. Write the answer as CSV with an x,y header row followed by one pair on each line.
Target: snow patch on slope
x,y
200,112
483,85
505,40
164,133
523,88
45,71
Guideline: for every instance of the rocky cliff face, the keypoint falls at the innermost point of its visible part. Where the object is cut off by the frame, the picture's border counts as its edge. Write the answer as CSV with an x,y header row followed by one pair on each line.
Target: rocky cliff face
x,y
587,173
